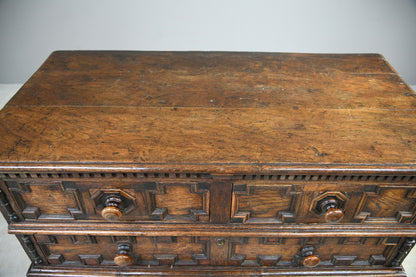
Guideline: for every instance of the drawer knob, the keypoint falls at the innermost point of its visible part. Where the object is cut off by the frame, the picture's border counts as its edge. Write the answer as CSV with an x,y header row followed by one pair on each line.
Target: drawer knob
x,y
331,210
123,257
111,213
309,259
112,210
334,215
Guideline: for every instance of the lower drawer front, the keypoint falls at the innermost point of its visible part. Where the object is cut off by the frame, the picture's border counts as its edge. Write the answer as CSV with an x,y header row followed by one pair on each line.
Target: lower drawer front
x,y
87,250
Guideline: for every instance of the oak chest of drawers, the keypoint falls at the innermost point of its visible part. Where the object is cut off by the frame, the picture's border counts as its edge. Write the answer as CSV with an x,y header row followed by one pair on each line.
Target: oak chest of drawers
x,y
203,164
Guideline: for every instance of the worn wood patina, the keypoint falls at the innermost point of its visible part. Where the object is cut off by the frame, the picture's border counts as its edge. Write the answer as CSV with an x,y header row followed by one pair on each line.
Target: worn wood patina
x,y
118,163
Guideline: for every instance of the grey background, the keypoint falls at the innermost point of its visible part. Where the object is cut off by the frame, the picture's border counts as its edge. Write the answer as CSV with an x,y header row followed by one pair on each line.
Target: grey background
x,y
30,30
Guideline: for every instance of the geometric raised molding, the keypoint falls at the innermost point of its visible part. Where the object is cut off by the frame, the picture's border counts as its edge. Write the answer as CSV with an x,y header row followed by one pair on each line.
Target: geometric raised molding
x,y
83,239
279,204
91,259
352,240
196,249
271,240
166,239
31,213
55,259
237,259
377,260
127,202
389,241
165,259
268,260
338,260
46,239
334,199
262,260
189,202
386,204
248,251
51,200
123,239
100,250
312,241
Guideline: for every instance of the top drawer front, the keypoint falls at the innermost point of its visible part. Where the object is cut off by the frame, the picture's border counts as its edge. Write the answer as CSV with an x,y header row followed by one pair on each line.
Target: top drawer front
x,y
319,202
176,201
206,198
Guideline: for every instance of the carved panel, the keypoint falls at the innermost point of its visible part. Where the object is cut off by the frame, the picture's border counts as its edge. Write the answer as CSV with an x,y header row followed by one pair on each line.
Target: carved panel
x,y
146,201
101,250
387,204
64,200
264,203
242,251
49,200
254,252
188,201
173,251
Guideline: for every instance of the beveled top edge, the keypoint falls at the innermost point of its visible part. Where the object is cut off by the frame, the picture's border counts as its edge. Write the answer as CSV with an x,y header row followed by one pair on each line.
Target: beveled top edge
x,y
236,168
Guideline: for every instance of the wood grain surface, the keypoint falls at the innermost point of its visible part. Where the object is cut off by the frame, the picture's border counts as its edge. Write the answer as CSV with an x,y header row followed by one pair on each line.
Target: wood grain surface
x,y
223,109
216,163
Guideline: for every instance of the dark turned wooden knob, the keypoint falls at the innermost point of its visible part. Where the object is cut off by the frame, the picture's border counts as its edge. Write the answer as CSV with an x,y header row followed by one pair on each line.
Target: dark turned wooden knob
x,y
311,261
112,210
331,211
333,215
123,257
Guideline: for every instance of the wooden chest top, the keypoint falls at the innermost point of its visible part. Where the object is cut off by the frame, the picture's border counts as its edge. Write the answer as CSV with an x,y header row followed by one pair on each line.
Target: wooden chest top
x,y
213,111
